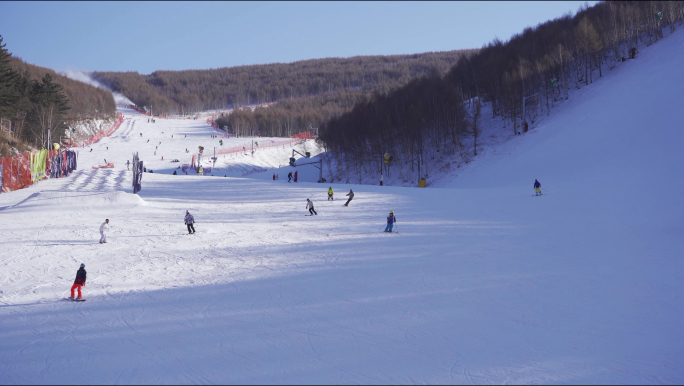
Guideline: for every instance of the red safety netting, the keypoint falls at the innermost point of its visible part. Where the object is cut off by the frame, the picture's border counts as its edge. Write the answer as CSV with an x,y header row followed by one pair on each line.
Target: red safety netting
x,y
103,133
303,135
16,172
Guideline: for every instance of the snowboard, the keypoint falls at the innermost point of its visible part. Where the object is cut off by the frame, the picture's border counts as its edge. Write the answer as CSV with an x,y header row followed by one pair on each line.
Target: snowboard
x,y
76,300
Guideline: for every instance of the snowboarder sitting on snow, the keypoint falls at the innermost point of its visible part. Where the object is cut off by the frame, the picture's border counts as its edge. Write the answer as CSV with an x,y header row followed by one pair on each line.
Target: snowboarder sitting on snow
x,y
330,193
537,188
309,206
79,282
189,220
103,230
289,176
390,221
351,195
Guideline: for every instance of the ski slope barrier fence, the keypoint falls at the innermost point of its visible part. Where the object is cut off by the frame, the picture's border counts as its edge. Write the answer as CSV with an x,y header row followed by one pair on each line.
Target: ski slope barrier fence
x,y
258,145
266,144
102,133
23,170
261,145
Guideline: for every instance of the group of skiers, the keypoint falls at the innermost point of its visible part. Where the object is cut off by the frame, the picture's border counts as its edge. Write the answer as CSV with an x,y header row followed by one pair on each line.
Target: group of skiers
x,y
190,221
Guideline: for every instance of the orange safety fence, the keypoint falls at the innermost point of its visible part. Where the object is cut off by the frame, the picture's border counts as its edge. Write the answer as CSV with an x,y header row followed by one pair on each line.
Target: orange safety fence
x,y
102,133
16,171
303,135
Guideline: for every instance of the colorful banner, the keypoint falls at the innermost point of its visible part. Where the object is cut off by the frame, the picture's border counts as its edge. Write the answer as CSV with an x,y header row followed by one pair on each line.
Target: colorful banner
x,y
38,164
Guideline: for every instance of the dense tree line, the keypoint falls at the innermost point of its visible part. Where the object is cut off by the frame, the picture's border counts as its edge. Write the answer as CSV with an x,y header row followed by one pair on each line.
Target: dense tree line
x,y
290,116
413,122
570,51
173,92
85,101
38,102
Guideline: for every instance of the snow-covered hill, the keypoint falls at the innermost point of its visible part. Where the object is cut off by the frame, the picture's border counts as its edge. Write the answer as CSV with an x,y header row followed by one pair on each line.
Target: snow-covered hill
x,y
483,283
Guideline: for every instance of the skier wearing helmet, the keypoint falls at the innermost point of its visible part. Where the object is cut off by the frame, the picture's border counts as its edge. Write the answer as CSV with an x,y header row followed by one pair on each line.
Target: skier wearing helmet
x,y
310,207
79,282
189,220
330,193
390,221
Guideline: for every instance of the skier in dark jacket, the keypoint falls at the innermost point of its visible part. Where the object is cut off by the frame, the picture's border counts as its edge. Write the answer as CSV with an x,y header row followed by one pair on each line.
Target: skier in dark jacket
x,y
390,221
79,282
189,220
289,176
351,195
537,188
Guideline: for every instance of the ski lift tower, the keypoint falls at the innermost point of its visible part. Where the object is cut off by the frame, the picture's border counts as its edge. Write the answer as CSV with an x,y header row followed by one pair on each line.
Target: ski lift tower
x,y
658,16
554,82
311,129
317,164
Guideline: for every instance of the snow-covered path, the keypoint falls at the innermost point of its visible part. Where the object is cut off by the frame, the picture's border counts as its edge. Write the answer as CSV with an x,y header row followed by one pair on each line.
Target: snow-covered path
x,y
484,283
170,138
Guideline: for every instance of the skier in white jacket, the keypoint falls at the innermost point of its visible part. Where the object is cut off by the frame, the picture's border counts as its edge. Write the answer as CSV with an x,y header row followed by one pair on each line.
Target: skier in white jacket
x,y
103,230
310,207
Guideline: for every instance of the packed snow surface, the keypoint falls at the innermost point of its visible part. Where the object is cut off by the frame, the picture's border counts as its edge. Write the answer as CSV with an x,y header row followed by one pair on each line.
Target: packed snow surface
x,y
483,283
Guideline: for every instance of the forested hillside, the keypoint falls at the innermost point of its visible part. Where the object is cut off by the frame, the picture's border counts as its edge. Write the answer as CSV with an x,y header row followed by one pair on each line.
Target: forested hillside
x,y
315,90
36,100
84,100
427,116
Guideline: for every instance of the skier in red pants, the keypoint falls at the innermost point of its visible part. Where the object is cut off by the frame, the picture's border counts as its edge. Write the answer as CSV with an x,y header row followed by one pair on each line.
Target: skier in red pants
x,y
79,282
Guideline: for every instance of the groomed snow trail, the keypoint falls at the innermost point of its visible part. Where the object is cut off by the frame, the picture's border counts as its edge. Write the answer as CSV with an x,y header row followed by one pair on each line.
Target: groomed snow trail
x,y
483,283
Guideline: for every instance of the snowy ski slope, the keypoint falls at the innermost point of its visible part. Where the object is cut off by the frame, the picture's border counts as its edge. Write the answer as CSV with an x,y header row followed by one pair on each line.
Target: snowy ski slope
x,y
484,283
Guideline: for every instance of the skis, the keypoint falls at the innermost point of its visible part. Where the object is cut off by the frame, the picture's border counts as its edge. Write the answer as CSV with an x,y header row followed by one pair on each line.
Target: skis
x,y
75,299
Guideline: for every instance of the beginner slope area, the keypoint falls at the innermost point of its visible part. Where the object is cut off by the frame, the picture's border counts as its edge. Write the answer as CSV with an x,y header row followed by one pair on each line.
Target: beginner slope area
x,y
483,283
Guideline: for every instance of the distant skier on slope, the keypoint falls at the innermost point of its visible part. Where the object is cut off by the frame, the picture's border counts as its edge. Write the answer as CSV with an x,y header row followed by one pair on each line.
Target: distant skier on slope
x,y
390,221
189,220
79,282
351,195
128,164
103,231
537,187
310,207
289,176
330,194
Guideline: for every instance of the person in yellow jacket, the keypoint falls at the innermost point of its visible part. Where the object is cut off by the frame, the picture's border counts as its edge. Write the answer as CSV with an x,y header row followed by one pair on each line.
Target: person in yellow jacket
x,y
330,194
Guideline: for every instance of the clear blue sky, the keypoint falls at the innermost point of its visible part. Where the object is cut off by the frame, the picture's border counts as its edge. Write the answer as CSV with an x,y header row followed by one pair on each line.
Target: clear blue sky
x,y
149,36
